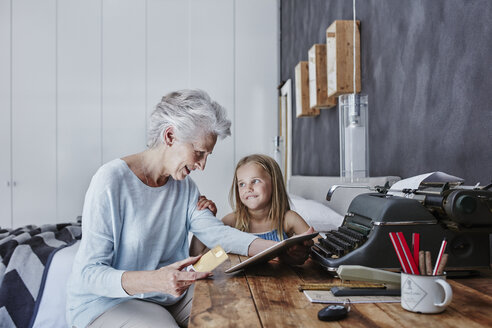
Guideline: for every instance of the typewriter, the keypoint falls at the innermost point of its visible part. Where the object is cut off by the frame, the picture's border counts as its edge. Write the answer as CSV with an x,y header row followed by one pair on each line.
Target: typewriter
x,y
461,214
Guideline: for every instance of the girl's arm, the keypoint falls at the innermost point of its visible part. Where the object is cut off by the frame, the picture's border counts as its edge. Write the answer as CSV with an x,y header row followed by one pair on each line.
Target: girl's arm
x,y
230,220
258,245
204,203
294,224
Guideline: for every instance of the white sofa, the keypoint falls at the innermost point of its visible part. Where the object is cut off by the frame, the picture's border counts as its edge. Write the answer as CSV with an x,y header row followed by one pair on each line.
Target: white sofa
x,y
308,198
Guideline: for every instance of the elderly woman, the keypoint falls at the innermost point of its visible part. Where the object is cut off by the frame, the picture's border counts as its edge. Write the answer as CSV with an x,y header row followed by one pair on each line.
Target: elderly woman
x,y
137,214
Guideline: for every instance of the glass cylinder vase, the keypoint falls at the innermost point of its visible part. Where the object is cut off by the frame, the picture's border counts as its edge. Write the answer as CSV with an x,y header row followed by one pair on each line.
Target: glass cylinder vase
x,y
277,152
354,146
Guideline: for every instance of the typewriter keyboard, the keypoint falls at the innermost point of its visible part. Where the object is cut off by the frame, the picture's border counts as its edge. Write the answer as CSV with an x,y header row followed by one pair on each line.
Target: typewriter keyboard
x,y
339,242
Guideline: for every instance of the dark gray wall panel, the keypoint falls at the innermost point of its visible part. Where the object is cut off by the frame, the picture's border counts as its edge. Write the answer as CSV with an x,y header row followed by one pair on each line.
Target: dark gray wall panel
x,y
427,69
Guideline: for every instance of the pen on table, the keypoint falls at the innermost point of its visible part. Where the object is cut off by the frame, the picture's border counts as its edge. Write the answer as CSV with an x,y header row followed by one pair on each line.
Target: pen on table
x,y
329,286
439,256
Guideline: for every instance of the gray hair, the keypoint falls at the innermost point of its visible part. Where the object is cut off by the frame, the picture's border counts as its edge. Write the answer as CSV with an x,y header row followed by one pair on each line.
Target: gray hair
x,y
192,114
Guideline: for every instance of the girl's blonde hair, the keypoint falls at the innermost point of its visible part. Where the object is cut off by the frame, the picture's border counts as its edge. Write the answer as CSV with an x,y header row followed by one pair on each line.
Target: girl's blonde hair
x,y
279,201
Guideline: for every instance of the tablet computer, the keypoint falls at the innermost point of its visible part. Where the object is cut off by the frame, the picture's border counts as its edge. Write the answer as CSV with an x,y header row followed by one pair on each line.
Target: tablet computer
x,y
271,252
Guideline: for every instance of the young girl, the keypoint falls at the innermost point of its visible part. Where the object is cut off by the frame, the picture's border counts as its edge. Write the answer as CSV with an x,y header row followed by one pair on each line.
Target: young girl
x,y
260,202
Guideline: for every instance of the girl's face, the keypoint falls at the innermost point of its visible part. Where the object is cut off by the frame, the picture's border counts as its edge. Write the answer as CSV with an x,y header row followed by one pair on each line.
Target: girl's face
x,y
255,186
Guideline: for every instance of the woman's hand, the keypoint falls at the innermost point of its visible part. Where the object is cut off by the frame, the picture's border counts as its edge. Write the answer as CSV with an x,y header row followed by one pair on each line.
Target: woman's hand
x,y
168,280
174,281
298,254
204,203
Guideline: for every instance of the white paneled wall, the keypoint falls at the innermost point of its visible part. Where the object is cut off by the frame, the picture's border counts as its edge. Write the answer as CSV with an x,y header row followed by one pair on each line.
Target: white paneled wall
x,y
79,102
5,108
212,69
123,77
167,49
78,80
34,110
256,78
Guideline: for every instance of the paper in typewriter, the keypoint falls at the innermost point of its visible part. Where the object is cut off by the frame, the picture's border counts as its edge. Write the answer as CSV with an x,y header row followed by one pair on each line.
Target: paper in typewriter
x,y
325,296
419,180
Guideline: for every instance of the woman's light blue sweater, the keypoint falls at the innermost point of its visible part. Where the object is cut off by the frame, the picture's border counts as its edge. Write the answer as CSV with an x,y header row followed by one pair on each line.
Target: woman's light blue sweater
x,y
127,225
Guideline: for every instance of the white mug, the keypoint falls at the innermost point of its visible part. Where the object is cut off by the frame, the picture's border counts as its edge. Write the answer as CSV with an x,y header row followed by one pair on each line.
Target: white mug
x,y
425,294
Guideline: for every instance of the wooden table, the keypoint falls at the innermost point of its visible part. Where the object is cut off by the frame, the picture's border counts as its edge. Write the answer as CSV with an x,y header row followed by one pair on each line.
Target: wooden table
x,y
268,296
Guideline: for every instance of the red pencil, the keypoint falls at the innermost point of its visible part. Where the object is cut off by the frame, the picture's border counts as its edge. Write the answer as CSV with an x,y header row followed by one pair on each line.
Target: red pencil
x,y
407,253
399,252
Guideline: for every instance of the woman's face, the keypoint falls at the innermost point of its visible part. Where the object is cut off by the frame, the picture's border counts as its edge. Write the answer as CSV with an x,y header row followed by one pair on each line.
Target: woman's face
x,y
189,156
255,186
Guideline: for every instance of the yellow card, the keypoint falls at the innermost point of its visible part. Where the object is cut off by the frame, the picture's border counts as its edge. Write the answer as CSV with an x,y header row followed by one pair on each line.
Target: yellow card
x,y
210,260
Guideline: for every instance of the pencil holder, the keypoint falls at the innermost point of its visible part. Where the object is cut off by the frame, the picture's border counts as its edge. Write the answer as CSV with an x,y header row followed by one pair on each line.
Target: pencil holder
x,y
425,294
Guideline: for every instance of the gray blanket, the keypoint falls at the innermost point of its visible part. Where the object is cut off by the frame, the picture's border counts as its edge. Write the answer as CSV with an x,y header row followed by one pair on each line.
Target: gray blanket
x,y
25,256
